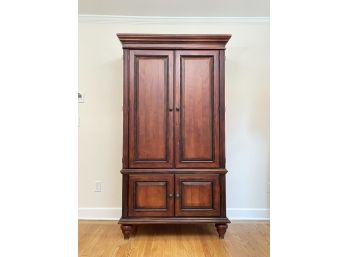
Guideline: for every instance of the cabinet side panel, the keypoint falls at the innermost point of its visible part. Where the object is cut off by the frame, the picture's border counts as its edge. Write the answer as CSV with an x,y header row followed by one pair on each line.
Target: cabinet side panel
x,y
222,109
125,107
223,195
125,195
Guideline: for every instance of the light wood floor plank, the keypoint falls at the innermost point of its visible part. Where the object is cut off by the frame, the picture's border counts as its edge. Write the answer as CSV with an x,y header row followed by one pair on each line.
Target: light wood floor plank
x,y
242,239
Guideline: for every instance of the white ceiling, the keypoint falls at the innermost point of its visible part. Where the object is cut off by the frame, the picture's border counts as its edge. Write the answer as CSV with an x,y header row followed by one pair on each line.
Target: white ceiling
x,y
176,8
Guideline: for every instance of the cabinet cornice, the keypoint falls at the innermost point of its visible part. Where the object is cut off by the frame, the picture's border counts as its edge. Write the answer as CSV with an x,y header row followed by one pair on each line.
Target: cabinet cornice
x,y
173,41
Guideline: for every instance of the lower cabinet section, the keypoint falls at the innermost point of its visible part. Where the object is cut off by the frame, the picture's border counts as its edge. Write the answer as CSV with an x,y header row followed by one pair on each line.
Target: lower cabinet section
x,y
174,195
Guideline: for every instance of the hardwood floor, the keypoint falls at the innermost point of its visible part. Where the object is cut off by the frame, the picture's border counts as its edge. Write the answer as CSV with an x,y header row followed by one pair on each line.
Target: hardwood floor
x,y
242,239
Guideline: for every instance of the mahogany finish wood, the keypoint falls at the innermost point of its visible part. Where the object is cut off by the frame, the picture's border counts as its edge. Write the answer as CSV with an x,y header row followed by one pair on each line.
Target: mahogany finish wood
x,y
151,195
173,220
126,230
222,108
174,130
197,120
125,107
197,195
221,229
174,171
169,41
151,99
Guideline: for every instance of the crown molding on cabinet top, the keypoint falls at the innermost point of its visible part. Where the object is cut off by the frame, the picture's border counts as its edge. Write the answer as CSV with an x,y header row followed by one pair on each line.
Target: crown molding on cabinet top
x,y
175,41
85,18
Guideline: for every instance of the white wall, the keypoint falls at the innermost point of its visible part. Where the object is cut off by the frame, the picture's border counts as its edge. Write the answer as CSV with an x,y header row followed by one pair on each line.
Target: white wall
x,y
247,114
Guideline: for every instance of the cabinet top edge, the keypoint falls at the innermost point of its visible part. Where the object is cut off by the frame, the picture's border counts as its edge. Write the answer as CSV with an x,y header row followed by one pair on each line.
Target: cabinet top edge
x,y
130,40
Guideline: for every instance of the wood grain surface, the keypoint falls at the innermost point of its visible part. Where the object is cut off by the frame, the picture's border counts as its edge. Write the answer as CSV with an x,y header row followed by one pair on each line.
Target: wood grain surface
x,y
242,239
151,195
197,109
150,120
174,154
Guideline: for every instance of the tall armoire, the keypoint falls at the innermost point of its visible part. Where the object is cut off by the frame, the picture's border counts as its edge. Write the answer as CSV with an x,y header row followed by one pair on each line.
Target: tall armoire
x,y
173,130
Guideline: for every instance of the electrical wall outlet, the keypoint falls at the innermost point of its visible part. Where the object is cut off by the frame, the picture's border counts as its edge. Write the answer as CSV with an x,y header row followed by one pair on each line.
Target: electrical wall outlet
x,y
81,98
98,186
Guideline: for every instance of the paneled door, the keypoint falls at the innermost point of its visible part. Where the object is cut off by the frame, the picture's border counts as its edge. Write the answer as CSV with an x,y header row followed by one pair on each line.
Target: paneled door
x,y
197,195
151,109
151,195
197,109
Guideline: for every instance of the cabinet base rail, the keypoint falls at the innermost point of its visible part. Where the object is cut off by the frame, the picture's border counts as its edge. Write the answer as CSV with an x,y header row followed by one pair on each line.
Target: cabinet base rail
x,y
129,225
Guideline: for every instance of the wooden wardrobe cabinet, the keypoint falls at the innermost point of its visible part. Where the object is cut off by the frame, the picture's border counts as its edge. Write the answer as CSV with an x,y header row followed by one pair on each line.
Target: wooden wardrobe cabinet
x,y
174,130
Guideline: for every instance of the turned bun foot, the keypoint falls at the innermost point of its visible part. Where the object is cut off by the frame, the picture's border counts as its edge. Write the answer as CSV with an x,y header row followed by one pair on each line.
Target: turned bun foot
x,y
221,229
127,230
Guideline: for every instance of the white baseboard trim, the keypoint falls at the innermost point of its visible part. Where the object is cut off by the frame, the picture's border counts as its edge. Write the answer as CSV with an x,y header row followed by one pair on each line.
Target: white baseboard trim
x,y
116,213
99,213
248,214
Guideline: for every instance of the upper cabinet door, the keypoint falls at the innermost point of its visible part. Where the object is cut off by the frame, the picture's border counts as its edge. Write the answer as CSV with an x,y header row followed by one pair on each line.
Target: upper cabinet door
x,y
151,109
197,109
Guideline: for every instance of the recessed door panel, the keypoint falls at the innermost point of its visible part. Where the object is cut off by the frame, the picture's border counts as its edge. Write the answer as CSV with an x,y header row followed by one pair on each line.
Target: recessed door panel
x,y
197,195
151,118
151,195
197,107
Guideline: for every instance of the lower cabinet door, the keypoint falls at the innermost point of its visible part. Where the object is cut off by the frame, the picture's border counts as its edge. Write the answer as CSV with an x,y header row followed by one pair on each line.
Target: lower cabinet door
x,y
197,195
151,195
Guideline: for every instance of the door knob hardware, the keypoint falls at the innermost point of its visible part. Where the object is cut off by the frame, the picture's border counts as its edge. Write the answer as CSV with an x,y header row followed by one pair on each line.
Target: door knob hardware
x,y
170,109
170,195
177,195
177,109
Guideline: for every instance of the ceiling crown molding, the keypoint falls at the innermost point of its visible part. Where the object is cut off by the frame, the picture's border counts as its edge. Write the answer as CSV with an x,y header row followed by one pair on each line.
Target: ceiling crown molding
x,y
87,18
